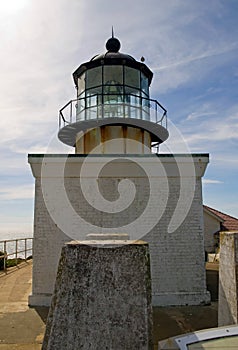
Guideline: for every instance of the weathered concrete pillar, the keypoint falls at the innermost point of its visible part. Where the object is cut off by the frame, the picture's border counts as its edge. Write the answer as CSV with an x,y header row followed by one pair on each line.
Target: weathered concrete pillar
x,y
102,297
228,279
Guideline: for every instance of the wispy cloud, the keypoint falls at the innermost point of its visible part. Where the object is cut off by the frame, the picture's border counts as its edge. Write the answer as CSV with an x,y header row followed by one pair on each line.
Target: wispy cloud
x,y
17,192
211,182
196,115
190,59
220,131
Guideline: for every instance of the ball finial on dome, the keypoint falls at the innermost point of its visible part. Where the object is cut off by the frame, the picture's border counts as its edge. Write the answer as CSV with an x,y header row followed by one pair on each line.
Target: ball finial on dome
x,y
113,44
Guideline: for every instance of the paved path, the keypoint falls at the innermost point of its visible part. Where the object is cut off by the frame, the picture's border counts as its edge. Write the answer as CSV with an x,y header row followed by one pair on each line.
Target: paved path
x,y
22,328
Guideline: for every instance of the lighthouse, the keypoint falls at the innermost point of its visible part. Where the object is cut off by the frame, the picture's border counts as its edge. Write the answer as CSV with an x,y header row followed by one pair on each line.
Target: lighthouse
x,y
116,184
113,103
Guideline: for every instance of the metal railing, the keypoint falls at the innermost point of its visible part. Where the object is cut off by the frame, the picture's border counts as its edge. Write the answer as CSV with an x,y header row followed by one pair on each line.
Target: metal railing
x,y
88,108
18,249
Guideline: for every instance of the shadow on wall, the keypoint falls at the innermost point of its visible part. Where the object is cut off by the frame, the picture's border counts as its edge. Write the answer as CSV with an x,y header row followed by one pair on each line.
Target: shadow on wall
x,y
212,280
227,306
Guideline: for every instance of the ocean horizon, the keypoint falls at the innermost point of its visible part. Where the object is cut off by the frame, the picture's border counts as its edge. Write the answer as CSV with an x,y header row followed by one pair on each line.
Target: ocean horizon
x,y
11,246
14,235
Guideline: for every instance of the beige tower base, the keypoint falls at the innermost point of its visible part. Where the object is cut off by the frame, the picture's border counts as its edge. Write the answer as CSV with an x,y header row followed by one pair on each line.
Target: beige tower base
x,y
113,139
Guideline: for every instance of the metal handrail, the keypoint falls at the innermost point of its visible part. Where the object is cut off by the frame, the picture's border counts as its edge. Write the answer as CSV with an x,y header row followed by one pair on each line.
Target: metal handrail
x,y
26,251
72,113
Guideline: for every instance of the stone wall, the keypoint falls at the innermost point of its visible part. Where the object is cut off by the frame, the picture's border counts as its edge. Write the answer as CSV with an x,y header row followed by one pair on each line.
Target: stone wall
x,y
102,297
166,211
228,279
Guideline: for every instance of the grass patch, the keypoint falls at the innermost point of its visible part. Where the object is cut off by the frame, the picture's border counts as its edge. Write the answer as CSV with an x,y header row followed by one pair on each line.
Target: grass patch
x,y
11,262
14,262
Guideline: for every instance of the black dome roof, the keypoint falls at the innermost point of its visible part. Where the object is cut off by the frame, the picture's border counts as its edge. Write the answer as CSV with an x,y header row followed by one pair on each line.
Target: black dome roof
x,y
113,46
112,57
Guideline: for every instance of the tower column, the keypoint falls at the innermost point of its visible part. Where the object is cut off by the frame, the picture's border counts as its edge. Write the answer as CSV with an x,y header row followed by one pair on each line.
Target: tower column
x,y
114,139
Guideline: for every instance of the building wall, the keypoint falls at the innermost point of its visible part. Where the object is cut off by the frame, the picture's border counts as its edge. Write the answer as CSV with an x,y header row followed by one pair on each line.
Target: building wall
x,y
211,226
47,244
176,252
178,258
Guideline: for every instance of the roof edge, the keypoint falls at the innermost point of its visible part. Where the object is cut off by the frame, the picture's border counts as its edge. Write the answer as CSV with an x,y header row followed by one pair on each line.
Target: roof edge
x,y
209,212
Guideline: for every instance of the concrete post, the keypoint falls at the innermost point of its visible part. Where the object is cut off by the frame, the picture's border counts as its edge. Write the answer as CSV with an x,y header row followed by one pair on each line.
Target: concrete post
x,y
102,297
228,279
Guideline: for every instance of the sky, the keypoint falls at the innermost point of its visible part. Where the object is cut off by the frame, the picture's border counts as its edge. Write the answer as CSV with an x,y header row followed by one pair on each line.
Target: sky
x,y
190,45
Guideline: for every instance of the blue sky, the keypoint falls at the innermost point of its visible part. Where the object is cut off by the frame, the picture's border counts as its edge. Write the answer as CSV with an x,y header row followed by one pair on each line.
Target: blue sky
x,y
190,45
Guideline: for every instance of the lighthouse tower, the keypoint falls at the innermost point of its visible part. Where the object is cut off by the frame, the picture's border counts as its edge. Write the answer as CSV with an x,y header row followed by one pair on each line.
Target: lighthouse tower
x,y
113,103
115,184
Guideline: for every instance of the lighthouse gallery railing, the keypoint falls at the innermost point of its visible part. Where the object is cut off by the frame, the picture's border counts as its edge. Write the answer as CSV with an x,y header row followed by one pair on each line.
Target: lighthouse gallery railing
x,y
15,249
114,105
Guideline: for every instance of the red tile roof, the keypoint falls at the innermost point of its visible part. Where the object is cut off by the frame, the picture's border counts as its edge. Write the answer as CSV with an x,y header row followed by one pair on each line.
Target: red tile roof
x,y
229,222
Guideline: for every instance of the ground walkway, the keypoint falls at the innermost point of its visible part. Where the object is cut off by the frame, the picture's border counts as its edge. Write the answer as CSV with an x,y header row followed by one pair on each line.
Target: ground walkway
x,y
22,328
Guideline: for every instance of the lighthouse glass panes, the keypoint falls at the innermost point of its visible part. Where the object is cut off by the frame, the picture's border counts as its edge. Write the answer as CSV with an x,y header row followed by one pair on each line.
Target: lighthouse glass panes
x,y
113,91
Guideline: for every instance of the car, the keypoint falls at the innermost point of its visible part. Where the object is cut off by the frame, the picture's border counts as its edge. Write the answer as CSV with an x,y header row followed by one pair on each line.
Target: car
x,y
214,338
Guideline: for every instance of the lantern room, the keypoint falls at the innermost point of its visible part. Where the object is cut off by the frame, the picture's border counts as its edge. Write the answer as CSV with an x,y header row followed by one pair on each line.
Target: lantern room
x,y
113,103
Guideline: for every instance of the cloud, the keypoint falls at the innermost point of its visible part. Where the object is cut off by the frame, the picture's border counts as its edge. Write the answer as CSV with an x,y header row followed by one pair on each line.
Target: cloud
x,y
17,192
191,65
210,181
218,132
222,128
196,115
191,59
